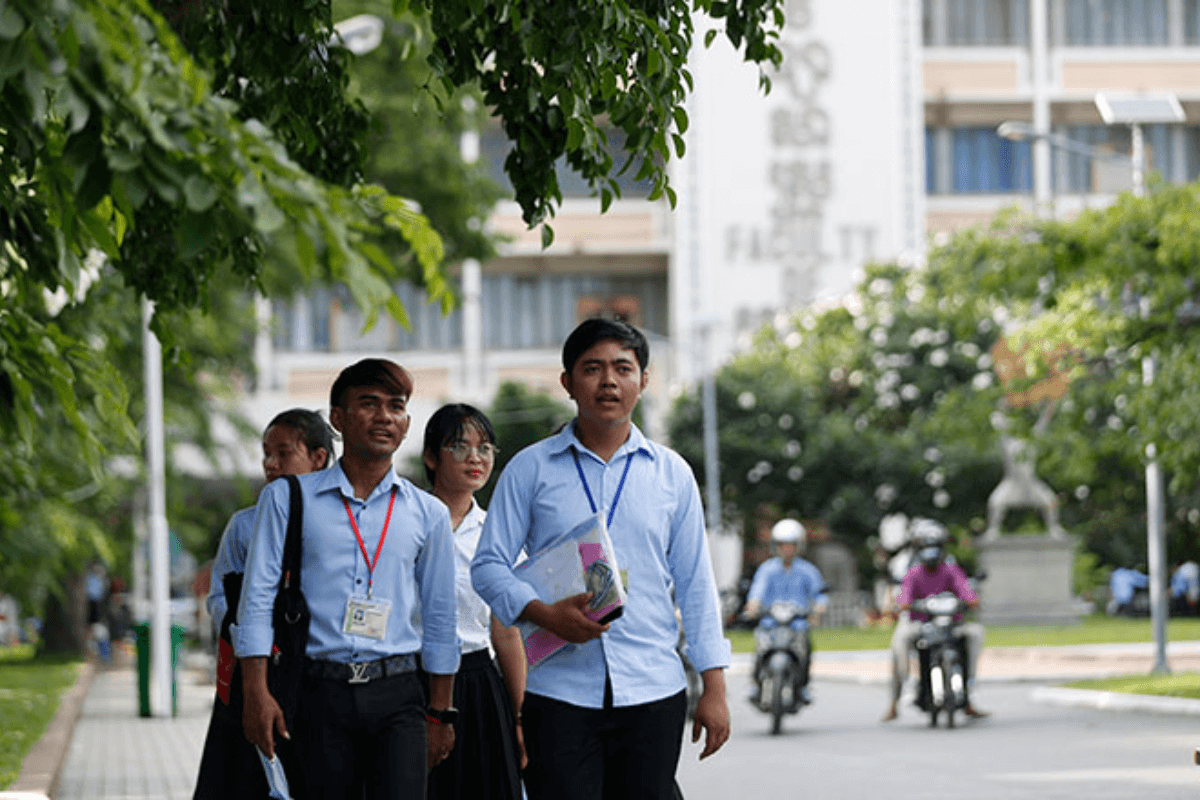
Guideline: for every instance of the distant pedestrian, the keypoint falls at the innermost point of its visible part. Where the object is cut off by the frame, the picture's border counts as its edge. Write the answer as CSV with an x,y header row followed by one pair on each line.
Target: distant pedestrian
x,y
486,763
96,589
1185,588
1123,585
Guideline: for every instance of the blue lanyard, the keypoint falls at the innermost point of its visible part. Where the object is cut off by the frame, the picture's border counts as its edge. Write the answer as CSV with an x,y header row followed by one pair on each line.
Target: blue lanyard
x,y
612,509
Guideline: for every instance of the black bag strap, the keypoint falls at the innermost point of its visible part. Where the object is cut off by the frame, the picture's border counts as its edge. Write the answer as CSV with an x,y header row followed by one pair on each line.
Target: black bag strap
x,y
293,545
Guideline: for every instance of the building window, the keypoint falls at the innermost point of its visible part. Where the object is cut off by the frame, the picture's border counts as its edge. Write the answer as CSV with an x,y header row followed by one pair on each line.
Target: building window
x,y
494,147
524,312
976,23
302,323
1078,173
1126,23
931,161
329,320
980,163
1191,22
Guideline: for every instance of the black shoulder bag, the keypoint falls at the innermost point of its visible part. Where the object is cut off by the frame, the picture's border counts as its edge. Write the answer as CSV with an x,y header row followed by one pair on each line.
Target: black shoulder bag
x,y
291,616
229,765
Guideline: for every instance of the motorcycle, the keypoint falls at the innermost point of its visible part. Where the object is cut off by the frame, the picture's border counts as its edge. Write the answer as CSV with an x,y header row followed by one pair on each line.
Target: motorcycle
x,y
781,647
942,654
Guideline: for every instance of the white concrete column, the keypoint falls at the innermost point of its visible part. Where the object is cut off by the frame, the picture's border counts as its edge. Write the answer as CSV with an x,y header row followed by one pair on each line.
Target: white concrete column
x,y
1175,31
264,346
1039,80
472,330
939,19
160,617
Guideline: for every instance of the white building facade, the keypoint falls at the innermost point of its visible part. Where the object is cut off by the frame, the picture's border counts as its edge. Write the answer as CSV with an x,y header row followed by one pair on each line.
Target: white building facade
x,y
879,135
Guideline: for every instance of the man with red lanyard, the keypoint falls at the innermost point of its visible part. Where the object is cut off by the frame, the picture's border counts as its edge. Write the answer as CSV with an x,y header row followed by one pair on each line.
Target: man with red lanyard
x,y
375,549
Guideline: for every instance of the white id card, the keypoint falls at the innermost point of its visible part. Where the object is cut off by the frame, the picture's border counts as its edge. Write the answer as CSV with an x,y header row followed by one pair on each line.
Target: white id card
x,y
367,617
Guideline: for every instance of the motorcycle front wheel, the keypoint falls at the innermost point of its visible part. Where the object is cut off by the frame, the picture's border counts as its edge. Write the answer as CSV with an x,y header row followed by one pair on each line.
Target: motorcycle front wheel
x,y
948,673
777,705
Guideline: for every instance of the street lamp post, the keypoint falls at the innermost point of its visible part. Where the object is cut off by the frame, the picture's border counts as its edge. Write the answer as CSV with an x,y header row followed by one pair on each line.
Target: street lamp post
x,y
1136,110
1024,132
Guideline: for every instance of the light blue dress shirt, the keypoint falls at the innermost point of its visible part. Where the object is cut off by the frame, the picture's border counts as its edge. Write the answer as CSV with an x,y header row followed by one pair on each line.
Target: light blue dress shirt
x,y
802,584
416,566
231,557
1123,582
1185,581
659,537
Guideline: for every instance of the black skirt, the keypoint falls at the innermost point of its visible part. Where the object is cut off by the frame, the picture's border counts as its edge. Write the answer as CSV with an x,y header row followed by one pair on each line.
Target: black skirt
x,y
484,763
230,768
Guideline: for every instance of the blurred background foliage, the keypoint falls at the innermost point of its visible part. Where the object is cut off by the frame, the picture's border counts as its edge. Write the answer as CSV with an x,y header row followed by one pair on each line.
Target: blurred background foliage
x,y
892,400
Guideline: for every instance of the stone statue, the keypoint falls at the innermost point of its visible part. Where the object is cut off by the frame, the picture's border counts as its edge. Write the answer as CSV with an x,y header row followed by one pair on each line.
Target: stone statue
x,y
1020,487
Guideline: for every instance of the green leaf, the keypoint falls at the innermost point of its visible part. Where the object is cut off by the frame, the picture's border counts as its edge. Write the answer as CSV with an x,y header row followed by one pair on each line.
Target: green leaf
x,y
574,134
95,185
194,233
200,193
547,236
681,119
12,24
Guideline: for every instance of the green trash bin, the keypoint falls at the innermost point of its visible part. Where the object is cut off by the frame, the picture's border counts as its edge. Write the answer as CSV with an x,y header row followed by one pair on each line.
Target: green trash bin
x,y
142,631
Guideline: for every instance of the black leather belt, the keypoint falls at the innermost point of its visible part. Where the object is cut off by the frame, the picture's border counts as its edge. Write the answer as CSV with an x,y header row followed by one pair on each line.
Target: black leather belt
x,y
360,671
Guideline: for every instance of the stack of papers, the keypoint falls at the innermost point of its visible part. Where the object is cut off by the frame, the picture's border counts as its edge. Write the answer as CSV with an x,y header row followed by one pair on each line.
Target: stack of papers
x,y
581,560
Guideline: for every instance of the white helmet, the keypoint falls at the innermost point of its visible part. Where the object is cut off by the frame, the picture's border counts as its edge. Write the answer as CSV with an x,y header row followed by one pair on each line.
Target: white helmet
x,y
788,531
925,531
930,538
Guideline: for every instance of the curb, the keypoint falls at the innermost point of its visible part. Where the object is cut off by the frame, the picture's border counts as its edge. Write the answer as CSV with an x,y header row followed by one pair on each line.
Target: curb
x,y
42,767
1115,701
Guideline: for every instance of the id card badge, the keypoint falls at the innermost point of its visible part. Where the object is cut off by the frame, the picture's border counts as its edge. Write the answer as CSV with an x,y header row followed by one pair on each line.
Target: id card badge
x,y
367,617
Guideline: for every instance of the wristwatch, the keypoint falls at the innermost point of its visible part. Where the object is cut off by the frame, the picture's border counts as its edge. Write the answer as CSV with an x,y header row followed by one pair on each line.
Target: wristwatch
x,y
445,716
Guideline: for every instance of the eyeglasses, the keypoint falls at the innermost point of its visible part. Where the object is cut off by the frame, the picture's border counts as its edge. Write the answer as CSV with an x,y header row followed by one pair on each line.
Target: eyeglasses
x,y
460,451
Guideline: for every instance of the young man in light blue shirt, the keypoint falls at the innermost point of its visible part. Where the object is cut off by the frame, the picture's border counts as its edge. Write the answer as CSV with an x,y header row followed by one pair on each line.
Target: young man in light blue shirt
x,y
604,718
375,549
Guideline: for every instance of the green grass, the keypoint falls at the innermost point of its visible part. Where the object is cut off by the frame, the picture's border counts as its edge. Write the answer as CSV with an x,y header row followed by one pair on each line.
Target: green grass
x,y
1096,629
30,690
1183,684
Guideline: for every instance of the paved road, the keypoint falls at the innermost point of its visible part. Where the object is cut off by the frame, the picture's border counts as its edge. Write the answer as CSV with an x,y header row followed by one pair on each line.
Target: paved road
x,y
838,750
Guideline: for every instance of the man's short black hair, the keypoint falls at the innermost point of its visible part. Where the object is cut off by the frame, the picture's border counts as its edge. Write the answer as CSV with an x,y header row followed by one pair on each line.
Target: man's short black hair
x,y
371,372
598,329
448,425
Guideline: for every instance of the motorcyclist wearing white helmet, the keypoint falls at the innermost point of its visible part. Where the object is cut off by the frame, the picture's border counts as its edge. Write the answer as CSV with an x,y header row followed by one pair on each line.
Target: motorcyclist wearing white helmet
x,y
931,574
787,577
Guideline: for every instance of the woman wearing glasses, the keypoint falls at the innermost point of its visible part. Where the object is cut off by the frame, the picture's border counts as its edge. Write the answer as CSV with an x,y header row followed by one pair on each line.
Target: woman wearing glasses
x,y
459,453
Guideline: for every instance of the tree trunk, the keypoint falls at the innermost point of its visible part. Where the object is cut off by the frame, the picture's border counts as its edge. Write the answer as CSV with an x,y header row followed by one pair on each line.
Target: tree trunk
x,y
65,628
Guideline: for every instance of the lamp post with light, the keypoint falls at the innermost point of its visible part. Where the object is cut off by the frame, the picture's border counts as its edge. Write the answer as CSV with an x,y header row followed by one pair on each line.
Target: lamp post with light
x,y
1025,132
1134,110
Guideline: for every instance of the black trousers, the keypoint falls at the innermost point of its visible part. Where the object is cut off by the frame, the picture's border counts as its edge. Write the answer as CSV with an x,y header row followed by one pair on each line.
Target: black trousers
x,y
365,740
602,754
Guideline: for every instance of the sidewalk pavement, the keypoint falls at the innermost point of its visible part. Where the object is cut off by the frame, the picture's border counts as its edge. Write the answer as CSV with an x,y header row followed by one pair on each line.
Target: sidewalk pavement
x,y
98,748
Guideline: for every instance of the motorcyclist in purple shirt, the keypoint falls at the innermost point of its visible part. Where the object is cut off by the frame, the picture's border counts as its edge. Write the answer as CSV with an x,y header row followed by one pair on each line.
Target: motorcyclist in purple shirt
x,y
931,575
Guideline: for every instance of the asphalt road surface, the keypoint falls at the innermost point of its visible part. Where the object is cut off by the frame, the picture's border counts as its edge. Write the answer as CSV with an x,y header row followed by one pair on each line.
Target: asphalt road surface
x,y
837,749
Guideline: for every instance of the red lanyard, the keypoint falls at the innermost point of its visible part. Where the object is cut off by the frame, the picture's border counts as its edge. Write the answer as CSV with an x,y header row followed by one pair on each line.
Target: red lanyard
x,y
361,546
